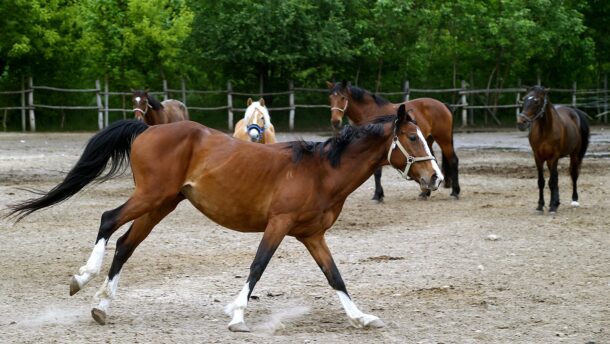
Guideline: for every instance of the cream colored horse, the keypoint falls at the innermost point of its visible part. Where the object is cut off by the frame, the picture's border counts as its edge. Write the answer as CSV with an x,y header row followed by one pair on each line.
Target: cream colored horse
x,y
256,125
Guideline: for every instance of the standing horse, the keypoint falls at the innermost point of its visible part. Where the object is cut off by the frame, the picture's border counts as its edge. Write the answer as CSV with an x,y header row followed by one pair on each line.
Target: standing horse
x,y
432,116
256,125
146,108
299,191
555,132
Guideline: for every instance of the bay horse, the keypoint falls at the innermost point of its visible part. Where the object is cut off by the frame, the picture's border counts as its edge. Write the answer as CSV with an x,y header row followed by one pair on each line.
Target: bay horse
x,y
300,190
256,125
148,109
432,116
555,132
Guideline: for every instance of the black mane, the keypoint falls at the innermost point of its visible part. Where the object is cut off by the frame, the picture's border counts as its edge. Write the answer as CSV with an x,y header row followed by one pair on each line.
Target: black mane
x,y
359,93
333,148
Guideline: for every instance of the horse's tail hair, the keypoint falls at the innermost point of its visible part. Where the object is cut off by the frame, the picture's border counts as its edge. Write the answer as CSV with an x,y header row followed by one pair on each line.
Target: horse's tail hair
x,y
585,133
111,144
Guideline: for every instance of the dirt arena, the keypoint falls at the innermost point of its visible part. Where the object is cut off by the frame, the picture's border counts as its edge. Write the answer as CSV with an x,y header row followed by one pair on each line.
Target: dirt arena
x,y
484,269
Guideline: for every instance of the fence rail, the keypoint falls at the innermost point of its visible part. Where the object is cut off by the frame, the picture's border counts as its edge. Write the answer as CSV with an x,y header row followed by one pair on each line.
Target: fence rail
x,y
587,98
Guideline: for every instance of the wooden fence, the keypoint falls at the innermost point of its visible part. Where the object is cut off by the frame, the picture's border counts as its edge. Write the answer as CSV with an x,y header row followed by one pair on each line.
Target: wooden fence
x,y
463,104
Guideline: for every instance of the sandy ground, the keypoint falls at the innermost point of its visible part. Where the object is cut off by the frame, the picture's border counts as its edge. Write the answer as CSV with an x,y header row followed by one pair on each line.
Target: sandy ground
x,y
484,269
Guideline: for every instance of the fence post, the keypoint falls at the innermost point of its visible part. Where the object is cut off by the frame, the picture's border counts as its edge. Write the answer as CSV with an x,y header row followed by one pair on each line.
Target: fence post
x,y
165,95
517,100
100,111
23,104
230,104
464,103
407,91
31,104
183,85
574,94
605,97
292,106
106,101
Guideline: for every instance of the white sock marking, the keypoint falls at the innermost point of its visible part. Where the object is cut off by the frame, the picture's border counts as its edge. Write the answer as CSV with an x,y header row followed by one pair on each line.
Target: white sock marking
x,y
236,308
94,264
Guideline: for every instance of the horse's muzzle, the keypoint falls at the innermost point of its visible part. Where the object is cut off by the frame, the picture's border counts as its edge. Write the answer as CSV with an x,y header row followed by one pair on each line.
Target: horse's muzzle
x,y
336,124
432,184
522,123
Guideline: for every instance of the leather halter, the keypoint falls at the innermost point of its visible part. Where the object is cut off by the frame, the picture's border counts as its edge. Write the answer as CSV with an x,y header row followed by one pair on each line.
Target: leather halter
x,y
255,126
538,115
340,109
410,159
145,111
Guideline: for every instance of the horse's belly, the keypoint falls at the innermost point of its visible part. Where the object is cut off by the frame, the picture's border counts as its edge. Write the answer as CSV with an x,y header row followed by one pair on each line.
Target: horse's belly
x,y
227,211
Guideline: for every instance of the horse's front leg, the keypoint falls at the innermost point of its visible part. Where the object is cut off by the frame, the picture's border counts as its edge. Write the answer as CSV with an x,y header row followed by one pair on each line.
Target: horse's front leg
x,y
316,245
539,167
378,195
274,233
553,185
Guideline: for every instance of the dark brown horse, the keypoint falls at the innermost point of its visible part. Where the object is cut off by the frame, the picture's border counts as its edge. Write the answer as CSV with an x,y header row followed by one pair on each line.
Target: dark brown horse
x,y
555,132
433,117
148,109
300,190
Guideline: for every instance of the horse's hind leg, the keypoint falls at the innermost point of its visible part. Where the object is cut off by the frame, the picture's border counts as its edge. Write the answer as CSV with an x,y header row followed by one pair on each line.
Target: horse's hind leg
x,y
575,162
316,245
125,246
110,222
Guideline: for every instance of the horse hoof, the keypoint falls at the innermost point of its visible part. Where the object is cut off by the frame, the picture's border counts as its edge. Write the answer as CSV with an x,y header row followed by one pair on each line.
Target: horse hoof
x,y
575,204
99,316
422,197
377,323
455,197
74,287
239,327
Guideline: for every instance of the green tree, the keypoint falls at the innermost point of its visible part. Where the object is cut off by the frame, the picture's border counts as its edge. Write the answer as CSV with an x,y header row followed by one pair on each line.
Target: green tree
x,y
135,42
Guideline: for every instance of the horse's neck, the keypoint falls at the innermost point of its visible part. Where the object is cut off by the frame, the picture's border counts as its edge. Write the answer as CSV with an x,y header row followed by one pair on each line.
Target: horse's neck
x,y
156,116
359,112
359,161
549,117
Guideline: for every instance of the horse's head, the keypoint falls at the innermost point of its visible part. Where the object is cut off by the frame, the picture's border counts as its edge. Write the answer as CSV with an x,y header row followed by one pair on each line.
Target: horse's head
x,y
338,97
257,119
141,104
534,105
410,155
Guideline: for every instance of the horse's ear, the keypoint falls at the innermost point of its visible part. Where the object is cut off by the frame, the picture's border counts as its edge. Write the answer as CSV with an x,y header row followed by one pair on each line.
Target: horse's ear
x,y
330,85
344,84
261,101
146,89
249,102
403,114
132,90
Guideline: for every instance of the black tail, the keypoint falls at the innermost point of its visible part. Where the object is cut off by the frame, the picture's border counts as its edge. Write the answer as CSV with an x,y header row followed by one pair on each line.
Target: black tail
x,y
585,132
112,143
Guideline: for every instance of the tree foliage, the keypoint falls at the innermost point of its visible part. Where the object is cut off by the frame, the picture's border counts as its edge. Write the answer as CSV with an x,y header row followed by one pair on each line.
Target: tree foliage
x,y
375,43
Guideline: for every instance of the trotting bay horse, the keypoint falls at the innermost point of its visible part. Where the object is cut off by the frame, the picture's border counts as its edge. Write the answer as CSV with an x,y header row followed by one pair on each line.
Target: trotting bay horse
x,y
148,109
555,132
432,116
256,125
300,190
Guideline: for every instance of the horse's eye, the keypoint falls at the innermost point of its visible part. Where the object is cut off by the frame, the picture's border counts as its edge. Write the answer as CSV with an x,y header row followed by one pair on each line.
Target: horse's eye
x,y
412,137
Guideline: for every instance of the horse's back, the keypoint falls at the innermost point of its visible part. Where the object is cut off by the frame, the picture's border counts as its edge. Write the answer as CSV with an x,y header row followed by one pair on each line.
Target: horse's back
x,y
175,110
433,117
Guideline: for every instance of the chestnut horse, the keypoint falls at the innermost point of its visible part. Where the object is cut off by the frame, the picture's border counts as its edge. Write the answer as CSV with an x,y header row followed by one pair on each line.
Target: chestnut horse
x,y
256,125
146,108
300,190
555,132
433,117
